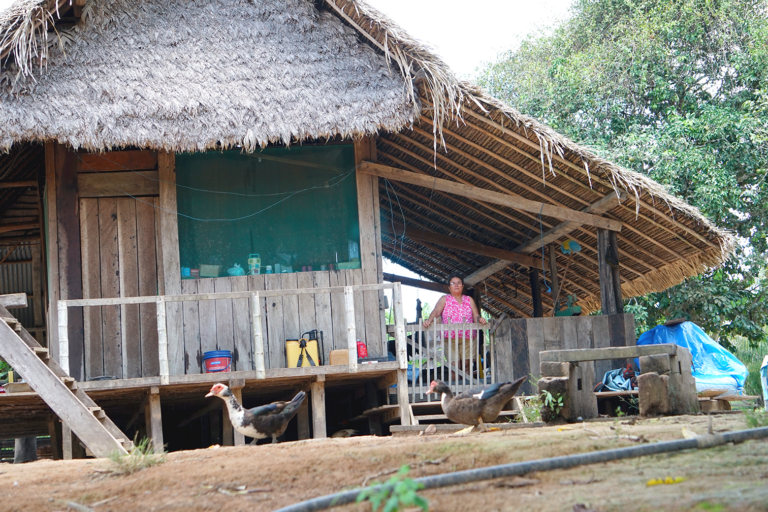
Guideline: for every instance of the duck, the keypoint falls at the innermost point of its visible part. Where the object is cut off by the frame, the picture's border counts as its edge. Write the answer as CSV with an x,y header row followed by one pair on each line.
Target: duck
x,y
260,422
475,409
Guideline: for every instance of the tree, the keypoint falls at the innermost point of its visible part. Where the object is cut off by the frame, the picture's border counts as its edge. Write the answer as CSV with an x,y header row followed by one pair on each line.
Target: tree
x,y
675,90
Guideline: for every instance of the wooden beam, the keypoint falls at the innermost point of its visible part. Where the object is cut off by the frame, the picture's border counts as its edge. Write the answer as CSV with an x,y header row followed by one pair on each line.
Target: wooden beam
x,y
155,420
18,184
118,184
611,299
8,228
409,281
602,354
317,393
14,300
533,275
132,160
603,205
462,245
478,193
51,250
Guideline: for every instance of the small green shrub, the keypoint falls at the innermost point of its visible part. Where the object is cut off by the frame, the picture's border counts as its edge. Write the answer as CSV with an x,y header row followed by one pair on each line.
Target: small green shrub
x,y
397,493
554,402
756,418
531,409
141,456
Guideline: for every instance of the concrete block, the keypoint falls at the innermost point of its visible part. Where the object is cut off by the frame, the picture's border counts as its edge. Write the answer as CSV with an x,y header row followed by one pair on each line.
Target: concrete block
x,y
655,364
682,386
554,369
653,394
555,386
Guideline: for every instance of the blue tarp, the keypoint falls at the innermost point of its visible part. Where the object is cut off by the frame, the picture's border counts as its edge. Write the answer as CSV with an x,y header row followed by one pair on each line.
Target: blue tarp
x,y
713,366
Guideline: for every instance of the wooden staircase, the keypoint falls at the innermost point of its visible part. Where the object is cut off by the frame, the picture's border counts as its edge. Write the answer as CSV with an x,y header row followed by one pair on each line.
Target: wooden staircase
x,y
70,403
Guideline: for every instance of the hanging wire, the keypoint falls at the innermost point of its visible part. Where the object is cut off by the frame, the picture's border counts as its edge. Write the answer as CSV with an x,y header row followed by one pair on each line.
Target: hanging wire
x,y
541,237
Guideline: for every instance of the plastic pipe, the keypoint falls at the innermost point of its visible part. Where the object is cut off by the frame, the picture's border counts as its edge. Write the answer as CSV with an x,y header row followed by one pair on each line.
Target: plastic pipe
x,y
522,468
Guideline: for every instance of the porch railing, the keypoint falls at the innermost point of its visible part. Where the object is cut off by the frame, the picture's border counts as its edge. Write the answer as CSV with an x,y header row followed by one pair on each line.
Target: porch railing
x,y
255,312
461,355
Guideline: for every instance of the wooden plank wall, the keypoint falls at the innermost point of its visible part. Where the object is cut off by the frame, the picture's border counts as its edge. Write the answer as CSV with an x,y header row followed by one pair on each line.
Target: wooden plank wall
x,y
519,341
226,324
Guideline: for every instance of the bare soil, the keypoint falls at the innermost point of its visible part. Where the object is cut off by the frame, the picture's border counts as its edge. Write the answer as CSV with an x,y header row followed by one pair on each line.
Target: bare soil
x,y
723,478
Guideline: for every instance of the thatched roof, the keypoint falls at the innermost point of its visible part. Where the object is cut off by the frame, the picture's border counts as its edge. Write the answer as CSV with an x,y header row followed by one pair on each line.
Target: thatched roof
x,y
189,75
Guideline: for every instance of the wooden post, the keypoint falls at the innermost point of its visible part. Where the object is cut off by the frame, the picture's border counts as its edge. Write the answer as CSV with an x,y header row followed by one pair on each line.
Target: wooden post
x,y
236,385
402,356
162,342
538,310
154,420
258,339
52,250
63,336
317,390
349,318
54,430
611,298
71,448
402,398
37,291
553,273
302,420
171,266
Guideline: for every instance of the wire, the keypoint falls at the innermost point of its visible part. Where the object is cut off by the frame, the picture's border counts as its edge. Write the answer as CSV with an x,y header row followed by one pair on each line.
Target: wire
x,y
541,237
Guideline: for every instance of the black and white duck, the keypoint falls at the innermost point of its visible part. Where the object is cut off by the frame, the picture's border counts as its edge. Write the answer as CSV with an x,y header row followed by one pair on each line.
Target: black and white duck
x,y
260,422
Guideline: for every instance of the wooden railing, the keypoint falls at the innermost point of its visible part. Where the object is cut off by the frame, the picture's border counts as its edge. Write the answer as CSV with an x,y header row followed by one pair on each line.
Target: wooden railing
x,y
256,325
437,352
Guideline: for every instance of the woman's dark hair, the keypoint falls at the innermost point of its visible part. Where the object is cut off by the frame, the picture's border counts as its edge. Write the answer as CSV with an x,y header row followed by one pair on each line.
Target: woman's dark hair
x,y
452,276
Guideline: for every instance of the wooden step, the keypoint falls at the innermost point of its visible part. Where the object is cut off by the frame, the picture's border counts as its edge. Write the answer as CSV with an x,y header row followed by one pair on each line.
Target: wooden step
x,y
98,412
42,353
13,324
435,417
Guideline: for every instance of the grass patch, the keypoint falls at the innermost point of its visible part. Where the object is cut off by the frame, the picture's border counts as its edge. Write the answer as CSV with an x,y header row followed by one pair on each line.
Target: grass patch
x,y
756,419
141,456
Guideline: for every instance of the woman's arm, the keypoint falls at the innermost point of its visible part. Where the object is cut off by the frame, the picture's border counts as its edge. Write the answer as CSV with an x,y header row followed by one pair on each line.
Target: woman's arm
x,y
475,313
435,312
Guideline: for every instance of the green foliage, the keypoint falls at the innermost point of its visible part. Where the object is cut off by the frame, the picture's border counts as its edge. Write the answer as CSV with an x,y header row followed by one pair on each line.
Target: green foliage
x,y
397,493
531,408
141,456
554,402
677,91
752,357
756,419
4,369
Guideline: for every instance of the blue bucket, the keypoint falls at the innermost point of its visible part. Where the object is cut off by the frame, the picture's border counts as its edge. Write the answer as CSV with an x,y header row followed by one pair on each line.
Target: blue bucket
x,y
217,361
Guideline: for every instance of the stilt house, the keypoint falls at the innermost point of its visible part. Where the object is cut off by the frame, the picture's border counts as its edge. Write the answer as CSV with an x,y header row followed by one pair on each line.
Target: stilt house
x,y
155,151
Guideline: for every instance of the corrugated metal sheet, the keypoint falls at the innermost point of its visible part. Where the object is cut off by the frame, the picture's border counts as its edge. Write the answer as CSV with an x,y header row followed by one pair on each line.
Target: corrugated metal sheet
x,y
17,278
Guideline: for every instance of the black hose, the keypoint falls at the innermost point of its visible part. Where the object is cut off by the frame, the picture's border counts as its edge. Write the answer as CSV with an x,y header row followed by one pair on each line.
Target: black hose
x,y
522,468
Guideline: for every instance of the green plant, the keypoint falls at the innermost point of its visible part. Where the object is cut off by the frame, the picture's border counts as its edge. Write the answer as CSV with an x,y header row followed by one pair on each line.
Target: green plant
x,y
619,412
398,492
554,402
756,419
141,456
4,369
531,409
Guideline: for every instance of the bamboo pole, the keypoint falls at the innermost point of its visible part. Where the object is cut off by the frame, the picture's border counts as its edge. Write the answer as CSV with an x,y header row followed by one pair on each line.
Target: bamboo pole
x,y
349,306
162,342
63,336
397,299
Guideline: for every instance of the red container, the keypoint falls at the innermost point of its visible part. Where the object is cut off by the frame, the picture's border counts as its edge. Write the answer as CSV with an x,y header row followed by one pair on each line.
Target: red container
x,y
362,350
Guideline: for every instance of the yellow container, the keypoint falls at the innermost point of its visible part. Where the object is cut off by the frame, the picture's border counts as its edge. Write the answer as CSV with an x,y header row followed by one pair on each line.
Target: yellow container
x,y
304,349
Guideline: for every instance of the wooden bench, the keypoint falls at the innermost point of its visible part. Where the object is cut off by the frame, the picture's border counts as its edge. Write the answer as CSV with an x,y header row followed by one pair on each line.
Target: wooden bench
x,y
665,383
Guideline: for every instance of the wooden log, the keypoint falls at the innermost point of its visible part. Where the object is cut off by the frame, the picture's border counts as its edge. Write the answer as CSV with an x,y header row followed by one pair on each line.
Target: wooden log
x,y
317,392
611,298
349,318
118,184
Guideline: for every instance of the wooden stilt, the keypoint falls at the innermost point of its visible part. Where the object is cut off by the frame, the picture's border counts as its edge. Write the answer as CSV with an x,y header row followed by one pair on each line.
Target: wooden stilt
x,y
611,298
155,420
227,432
317,390
54,430
302,420
402,398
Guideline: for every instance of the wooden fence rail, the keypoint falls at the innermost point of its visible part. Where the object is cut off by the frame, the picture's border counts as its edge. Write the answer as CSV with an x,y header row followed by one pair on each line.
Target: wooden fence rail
x,y
255,312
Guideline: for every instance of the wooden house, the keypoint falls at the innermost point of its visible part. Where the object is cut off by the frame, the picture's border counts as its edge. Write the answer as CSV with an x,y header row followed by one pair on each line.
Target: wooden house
x,y
151,146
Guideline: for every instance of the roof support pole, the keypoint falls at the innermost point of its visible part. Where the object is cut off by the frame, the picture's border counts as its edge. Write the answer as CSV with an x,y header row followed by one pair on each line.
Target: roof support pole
x,y
611,298
538,310
553,275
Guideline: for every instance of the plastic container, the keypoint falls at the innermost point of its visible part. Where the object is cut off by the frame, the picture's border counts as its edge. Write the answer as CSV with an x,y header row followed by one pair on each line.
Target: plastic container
x,y
362,350
293,350
216,361
254,264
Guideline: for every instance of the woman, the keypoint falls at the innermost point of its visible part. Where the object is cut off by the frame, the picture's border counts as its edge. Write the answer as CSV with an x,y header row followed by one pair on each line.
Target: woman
x,y
457,308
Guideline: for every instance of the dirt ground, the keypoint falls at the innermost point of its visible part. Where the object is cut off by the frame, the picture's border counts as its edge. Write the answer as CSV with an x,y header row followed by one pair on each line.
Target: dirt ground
x,y
723,478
